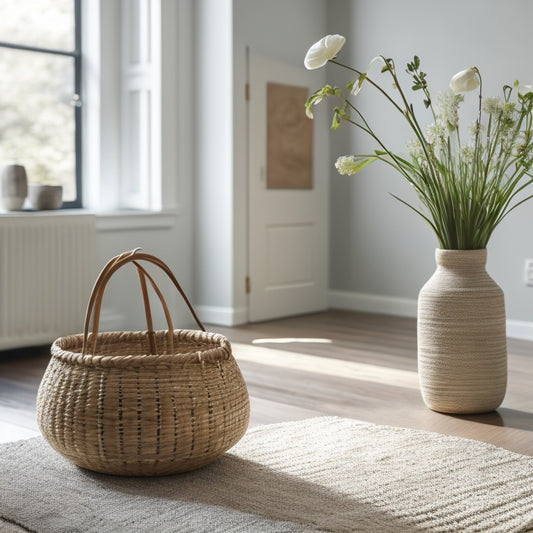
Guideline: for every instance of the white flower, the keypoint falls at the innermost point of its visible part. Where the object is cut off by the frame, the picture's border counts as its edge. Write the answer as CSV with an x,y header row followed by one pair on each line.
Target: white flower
x,y
324,50
466,80
467,153
476,128
415,148
346,164
493,105
350,164
436,133
448,105
525,89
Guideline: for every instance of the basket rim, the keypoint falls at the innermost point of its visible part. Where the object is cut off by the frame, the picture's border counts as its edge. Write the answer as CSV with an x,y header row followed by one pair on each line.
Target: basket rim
x,y
212,347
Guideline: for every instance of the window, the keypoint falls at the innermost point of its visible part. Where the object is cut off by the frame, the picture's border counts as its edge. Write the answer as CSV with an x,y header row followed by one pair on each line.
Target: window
x,y
130,153
40,69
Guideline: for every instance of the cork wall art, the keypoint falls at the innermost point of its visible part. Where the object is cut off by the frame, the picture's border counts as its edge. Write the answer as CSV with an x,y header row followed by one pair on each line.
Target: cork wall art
x,y
289,138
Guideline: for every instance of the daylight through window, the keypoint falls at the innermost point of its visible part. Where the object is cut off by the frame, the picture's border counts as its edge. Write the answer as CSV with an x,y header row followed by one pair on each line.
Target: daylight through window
x,y
39,101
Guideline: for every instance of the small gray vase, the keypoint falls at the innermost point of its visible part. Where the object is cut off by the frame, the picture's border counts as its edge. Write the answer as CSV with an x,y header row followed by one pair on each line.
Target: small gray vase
x,y
13,187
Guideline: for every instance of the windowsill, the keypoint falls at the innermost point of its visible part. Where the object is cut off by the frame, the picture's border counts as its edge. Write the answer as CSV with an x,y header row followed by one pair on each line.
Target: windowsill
x,y
130,219
109,221
44,213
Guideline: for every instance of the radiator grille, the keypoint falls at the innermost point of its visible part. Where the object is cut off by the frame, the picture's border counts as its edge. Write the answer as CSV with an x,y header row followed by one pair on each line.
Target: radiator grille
x,y
47,268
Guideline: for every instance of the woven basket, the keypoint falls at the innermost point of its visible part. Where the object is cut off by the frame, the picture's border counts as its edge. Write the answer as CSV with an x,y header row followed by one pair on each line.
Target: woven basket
x,y
142,403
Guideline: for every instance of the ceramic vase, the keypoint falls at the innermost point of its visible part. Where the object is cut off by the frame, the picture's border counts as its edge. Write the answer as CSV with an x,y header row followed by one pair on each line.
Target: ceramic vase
x,y
46,196
14,187
462,347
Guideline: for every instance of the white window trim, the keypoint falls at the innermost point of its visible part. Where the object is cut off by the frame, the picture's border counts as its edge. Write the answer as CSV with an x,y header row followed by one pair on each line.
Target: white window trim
x,y
141,104
111,75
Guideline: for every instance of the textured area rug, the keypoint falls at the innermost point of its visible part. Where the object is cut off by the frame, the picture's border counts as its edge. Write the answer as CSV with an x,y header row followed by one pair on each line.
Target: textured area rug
x,y
320,474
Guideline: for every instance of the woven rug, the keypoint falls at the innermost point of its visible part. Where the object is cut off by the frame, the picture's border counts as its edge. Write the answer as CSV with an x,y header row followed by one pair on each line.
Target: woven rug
x,y
320,474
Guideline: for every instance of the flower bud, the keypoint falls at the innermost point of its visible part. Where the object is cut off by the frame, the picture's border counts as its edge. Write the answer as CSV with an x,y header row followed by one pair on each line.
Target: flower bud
x,y
322,51
464,81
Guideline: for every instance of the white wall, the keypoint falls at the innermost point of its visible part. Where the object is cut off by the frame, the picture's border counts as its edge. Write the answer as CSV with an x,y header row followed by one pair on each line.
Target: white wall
x,y
278,29
205,152
381,253
213,170
168,235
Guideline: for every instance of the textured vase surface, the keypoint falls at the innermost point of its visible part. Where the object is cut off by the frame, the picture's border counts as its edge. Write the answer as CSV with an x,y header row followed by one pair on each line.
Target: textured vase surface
x,y
13,187
46,196
462,346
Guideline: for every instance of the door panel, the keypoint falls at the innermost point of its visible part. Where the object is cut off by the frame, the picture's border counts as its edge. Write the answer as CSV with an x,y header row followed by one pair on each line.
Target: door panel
x,y
290,255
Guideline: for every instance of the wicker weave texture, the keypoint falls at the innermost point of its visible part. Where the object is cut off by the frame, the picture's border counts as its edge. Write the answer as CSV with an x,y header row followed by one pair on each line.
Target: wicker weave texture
x,y
462,347
126,410
142,415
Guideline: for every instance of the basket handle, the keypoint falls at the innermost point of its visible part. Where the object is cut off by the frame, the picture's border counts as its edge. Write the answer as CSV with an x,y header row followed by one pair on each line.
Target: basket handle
x,y
97,293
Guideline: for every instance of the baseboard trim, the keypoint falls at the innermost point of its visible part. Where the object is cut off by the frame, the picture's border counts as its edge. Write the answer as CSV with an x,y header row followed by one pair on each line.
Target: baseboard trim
x,y
222,316
388,305
372,303
520,329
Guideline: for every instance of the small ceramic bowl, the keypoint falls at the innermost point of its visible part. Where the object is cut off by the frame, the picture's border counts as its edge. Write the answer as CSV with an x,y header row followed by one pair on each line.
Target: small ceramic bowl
x,y
46,196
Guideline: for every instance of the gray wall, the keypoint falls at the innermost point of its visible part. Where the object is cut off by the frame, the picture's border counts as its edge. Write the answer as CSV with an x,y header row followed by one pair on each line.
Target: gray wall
x,y
281,30
380,250
168,235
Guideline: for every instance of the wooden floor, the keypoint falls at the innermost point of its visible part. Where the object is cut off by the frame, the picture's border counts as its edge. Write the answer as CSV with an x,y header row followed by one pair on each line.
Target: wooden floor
x,y
338,363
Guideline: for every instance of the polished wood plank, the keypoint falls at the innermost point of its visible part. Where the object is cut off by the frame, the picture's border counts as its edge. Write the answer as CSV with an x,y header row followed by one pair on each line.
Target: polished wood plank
x,y
338,363
388,396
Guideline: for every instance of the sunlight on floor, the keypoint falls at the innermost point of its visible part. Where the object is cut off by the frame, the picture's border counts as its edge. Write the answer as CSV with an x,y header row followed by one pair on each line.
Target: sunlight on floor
x,y
326,366
285,340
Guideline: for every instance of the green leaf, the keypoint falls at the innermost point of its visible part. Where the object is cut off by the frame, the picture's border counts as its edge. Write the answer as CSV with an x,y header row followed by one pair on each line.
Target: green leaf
x,y
339,114
362,164
360,80
318,96
389,65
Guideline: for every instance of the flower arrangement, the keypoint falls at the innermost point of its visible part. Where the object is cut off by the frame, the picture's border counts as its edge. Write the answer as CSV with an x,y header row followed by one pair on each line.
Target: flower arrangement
x,y
466,186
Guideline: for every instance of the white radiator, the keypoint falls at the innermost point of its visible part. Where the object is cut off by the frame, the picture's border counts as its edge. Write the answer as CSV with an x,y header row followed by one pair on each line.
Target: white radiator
x,y
47,268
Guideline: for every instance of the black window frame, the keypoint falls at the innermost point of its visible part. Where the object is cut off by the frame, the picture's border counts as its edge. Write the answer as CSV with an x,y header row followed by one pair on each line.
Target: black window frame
x,y
77,96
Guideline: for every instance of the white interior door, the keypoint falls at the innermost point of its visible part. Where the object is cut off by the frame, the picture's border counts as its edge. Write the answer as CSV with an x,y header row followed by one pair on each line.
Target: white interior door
x,y
288,246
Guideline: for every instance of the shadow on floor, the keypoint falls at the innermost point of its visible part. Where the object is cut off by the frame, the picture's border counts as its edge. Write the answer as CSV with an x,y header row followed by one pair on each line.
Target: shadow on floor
x,y
503,417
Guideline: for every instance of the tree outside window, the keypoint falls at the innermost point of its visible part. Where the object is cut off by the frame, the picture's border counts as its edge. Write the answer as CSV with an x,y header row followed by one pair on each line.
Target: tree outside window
x,y
39,113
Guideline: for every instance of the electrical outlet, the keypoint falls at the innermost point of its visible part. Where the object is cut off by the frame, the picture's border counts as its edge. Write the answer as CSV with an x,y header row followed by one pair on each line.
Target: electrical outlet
x,y
528,272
